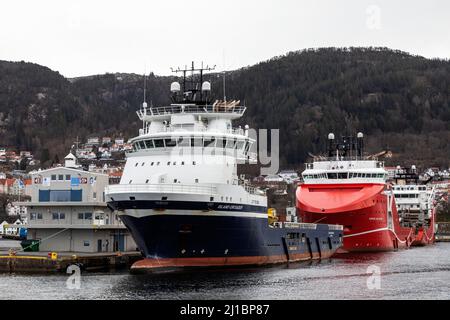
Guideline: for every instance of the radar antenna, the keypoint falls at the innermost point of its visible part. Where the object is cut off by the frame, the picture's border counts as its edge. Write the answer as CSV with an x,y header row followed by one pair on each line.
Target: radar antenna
x,y
191,90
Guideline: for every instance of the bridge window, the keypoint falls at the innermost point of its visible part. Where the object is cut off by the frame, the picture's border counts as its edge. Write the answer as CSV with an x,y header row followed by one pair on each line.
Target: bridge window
x,y
170,143
159,143
240,145
149,144
184,142
332,175
230,143
209,142
142,144
342,175
220,143
196,142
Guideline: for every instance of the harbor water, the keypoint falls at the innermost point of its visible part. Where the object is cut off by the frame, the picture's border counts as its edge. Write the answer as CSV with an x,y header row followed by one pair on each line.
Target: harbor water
x,y
418,273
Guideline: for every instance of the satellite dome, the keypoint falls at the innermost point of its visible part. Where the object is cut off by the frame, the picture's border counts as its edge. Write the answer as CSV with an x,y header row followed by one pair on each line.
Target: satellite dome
x,y
206,86
360,135
175,87
331,136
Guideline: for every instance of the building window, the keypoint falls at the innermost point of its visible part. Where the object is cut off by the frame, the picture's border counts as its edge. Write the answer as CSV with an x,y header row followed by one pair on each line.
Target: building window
x,y
80,216
136,164
60,177
196,180
193,163
152,163
146,181
58,216
182,163
94,195
168,163
86,243
39,216
32,216
130,182
142,164
88,216
68,177
53,177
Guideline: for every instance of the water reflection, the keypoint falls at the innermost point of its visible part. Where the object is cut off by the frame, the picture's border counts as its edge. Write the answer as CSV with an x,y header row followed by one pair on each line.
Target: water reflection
x,y
419,273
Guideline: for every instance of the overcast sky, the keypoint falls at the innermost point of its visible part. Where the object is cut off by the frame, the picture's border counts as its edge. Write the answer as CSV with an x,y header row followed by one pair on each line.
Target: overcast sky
x,y
78,37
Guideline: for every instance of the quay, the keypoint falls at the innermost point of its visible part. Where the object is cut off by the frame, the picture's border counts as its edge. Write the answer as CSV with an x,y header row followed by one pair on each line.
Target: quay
x,y
443,232
54,262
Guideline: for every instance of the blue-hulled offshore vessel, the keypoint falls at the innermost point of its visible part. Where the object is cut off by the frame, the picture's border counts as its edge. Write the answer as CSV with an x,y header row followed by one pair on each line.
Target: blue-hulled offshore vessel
x,y
181,197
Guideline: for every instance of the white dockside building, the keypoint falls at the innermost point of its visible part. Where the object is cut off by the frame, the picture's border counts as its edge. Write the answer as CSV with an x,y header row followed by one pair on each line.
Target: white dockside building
x,y
68,212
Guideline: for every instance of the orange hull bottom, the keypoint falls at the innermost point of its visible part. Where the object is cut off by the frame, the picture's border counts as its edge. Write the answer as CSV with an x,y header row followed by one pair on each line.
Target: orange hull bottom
x,y
149,264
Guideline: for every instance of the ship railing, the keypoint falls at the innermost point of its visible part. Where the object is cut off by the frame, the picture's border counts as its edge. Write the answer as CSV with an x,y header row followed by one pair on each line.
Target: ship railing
x,y
347,158
174,109
239,131
160,188
253,190
335,227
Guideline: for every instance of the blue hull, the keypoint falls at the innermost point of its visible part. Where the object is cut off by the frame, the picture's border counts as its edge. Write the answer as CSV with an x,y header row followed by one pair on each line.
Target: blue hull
x,y
168,240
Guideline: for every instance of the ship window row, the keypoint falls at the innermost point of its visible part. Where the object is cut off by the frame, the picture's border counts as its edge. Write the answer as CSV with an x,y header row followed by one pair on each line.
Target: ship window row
x,y
343,175
157,163
412,195
206,142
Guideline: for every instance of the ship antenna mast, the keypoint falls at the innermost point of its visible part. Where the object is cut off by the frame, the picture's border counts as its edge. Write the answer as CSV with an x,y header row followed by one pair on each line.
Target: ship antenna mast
x,y
144,104
224,93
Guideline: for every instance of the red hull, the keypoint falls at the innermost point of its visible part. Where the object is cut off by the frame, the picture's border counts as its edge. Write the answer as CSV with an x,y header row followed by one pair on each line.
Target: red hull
x,y
363,210
425,235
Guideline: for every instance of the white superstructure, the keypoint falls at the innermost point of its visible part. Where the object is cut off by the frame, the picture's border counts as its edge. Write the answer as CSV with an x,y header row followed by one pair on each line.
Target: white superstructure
x,y
188,151
414,201
345,164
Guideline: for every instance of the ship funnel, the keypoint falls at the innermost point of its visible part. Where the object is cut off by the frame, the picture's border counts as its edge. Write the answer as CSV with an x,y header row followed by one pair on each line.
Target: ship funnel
x,y
175,87
206,86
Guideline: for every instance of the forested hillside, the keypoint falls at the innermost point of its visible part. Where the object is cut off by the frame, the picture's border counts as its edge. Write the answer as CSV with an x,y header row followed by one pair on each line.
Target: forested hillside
x,y
400,101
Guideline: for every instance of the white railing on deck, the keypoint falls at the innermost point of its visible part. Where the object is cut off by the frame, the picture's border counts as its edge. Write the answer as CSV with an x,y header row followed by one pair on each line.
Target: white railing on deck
x,y
159,111
160,188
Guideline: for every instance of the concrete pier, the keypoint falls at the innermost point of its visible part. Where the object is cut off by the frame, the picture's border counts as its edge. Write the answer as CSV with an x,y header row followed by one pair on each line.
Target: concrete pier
x,y
44,262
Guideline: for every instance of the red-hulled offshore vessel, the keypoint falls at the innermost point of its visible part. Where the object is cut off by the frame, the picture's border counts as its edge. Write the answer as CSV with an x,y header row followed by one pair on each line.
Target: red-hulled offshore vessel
x,y
349,189
416,205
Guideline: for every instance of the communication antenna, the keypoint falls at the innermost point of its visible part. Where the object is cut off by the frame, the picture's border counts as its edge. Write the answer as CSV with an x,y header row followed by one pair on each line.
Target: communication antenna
x,y
224,82
145,85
